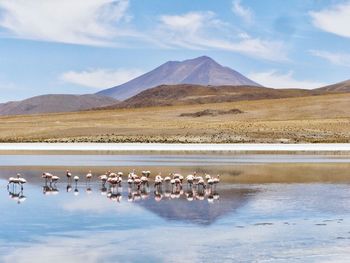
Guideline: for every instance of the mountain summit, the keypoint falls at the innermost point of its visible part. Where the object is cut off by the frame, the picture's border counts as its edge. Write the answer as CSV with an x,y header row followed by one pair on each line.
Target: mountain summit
x,y
201,71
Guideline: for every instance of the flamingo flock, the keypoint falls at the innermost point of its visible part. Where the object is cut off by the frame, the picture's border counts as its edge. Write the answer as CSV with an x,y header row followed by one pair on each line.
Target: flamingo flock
x,y
172,186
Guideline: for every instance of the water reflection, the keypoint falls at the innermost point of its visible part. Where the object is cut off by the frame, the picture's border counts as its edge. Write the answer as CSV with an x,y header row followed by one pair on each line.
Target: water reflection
x,y
251,216
16,194
50,189
135,193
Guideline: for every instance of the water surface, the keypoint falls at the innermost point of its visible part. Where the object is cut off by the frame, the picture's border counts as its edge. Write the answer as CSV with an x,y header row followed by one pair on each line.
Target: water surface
x,y
262,212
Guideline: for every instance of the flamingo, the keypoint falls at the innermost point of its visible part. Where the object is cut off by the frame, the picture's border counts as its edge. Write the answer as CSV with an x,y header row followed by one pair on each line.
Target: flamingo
x,y
144,179
177,181
158,180
112,175
177,176
130,180
134,176
113,181
46,176
103,178
167,179
54,179
189,179
200,181
17,180
216,180
21,180
137,181
76,179
120,179
210,181
89,176
207,177
69,175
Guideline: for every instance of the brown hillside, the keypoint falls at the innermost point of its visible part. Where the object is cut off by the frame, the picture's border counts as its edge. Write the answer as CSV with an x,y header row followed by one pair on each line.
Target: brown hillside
x,y
338,87
167,95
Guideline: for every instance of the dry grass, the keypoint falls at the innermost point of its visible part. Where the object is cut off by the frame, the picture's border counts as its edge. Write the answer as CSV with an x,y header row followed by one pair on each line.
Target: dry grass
x,y
323,118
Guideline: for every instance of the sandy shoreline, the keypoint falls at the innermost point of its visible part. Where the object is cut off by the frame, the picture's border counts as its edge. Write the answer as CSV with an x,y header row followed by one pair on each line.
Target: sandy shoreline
x,y
160,147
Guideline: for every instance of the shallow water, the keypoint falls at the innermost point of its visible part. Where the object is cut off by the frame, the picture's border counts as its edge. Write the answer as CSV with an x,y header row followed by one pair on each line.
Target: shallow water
x,y
260,212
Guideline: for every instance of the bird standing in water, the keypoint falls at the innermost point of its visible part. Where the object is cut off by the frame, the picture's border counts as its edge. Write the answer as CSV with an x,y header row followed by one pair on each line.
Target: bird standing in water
x,y
69,175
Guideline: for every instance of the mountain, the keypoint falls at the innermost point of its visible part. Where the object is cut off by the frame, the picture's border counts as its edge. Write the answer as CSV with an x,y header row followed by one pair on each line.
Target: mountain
x,y
201,71
55,103
338,87
167,95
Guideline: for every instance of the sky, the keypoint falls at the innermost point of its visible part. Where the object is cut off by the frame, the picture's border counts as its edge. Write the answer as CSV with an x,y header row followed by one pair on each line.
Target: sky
x,y
83,46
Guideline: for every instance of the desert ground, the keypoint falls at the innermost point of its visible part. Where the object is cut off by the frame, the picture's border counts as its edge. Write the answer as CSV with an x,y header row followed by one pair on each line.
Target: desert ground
x,y
322,118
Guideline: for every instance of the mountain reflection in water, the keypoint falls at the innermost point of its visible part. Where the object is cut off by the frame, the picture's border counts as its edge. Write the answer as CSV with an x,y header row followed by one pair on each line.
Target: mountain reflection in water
x,y
199,206
269,212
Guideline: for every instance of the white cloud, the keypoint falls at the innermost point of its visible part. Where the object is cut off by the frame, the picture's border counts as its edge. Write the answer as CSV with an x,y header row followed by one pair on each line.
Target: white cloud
x,y
244,12
273,79
340,59
90,22
107,23
100,78
202,30
335,19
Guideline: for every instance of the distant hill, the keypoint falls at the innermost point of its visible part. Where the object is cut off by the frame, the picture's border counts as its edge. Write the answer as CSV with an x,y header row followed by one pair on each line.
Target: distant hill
x,y
200,71
166,95
338,87
55,103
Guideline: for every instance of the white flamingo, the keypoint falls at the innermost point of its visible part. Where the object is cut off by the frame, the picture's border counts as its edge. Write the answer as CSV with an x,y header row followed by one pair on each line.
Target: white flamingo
x,y
54,179
69,175
189,179
137,181
112,175
158,180
177,176
103,178
144,179
216,180
167,179
89,176
76,179
47,176
17,180
200,181
207,177
130,179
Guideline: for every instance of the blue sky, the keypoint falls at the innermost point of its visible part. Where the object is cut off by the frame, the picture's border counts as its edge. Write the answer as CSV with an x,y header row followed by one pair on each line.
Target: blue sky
x,y
84,46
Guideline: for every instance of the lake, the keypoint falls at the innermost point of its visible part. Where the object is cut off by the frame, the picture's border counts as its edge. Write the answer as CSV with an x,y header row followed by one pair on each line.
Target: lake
x,y
266,208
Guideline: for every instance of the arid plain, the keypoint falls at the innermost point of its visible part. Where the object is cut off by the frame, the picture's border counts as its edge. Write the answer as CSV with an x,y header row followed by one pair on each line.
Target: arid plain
x,y
322,118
